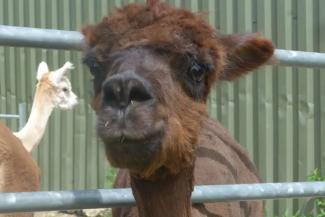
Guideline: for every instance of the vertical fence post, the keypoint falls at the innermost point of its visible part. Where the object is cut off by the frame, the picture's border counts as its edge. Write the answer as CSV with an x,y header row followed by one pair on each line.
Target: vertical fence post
x,y
22,115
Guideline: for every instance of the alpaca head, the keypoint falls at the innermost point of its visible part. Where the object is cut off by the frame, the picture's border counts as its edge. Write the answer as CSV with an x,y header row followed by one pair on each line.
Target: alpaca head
x,y
57,85
153,67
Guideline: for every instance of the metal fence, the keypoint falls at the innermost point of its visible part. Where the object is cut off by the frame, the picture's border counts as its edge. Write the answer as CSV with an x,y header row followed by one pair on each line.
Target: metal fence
x,y
40,201
99,198
21,116
276,113
71,40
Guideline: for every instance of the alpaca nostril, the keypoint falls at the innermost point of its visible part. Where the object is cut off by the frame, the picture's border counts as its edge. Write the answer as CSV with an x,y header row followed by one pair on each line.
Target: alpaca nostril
x,y
139,93
112,94
120,92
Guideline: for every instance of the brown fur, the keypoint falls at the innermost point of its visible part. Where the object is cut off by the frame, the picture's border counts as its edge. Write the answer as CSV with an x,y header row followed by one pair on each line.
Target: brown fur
x,y
219,160
18,170
252,50
177,57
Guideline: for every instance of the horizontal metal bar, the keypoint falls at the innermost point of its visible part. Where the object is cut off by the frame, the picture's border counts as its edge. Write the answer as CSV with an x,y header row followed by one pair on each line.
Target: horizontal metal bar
x,y
40,38
72,40
8,116
298,59
100,198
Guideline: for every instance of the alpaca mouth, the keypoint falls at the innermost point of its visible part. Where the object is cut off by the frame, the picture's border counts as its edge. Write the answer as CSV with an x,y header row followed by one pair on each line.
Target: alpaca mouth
x,y
131,148
125,133
132,136
126,137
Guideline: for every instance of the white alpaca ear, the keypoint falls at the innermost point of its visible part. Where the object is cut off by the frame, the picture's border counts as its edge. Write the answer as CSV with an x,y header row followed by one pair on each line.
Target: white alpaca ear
x,y
59,73
42,69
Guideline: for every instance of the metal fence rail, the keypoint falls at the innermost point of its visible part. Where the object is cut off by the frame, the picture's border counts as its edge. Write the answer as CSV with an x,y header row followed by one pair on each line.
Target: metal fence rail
x,y
40,38
72,40
21,116
63,200
100,198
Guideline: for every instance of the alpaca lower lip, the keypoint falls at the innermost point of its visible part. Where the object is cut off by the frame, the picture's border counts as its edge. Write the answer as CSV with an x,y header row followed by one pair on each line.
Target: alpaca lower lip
x,y
124,137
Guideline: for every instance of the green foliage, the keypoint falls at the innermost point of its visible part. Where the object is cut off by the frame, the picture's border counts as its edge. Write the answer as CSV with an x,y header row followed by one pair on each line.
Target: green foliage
x,y
110,177
316,176
318,203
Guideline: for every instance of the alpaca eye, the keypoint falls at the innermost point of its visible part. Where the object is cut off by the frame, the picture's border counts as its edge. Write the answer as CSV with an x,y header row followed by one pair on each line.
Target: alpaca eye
x,y
93,65
65,89
94,68
197,72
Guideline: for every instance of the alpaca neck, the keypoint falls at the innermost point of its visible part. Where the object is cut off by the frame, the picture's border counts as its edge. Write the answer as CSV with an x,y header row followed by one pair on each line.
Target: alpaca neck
x,y
33,131
169,196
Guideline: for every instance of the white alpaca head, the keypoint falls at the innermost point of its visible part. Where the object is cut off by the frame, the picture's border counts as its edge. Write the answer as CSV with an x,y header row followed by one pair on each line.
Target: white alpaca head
x,y
60,87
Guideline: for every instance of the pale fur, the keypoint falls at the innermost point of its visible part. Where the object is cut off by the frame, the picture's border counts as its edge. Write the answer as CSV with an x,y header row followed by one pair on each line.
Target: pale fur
x,y
18,171
53,90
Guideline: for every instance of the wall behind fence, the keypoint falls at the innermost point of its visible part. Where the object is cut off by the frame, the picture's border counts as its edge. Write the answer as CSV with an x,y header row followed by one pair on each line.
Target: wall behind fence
x,y
69,154
277,113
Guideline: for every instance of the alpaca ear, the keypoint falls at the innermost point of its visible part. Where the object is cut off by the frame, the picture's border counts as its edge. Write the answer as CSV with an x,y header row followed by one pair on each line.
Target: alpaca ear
x,y
57,75
42,69
86,31
244,52
91,34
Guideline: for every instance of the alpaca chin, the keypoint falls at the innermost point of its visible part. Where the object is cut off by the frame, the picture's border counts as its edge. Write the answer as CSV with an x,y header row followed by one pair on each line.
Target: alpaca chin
x,y
134,155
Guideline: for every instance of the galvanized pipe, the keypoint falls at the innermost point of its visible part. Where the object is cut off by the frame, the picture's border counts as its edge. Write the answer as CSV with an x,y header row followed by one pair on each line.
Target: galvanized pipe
x,y
40,38
22,115
72,40
100,198
8,116
298,59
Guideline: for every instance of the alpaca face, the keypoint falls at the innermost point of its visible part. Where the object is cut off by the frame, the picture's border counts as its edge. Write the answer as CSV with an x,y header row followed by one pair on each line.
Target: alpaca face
x,y
64,97
143,109
153,67
57,85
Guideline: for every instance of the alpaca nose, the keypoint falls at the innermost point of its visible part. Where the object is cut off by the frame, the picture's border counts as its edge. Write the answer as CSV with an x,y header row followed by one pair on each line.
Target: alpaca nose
x,y
122,90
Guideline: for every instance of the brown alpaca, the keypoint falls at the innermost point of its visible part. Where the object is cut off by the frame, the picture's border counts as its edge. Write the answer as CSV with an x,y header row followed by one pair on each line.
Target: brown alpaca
x,y
153,67
18,170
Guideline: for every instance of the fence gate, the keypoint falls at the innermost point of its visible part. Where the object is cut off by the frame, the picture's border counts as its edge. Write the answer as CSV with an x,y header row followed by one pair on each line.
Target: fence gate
x,y
63,200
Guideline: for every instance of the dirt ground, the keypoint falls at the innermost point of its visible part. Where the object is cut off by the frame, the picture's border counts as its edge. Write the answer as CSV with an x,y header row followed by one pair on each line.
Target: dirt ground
x,y
77,213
